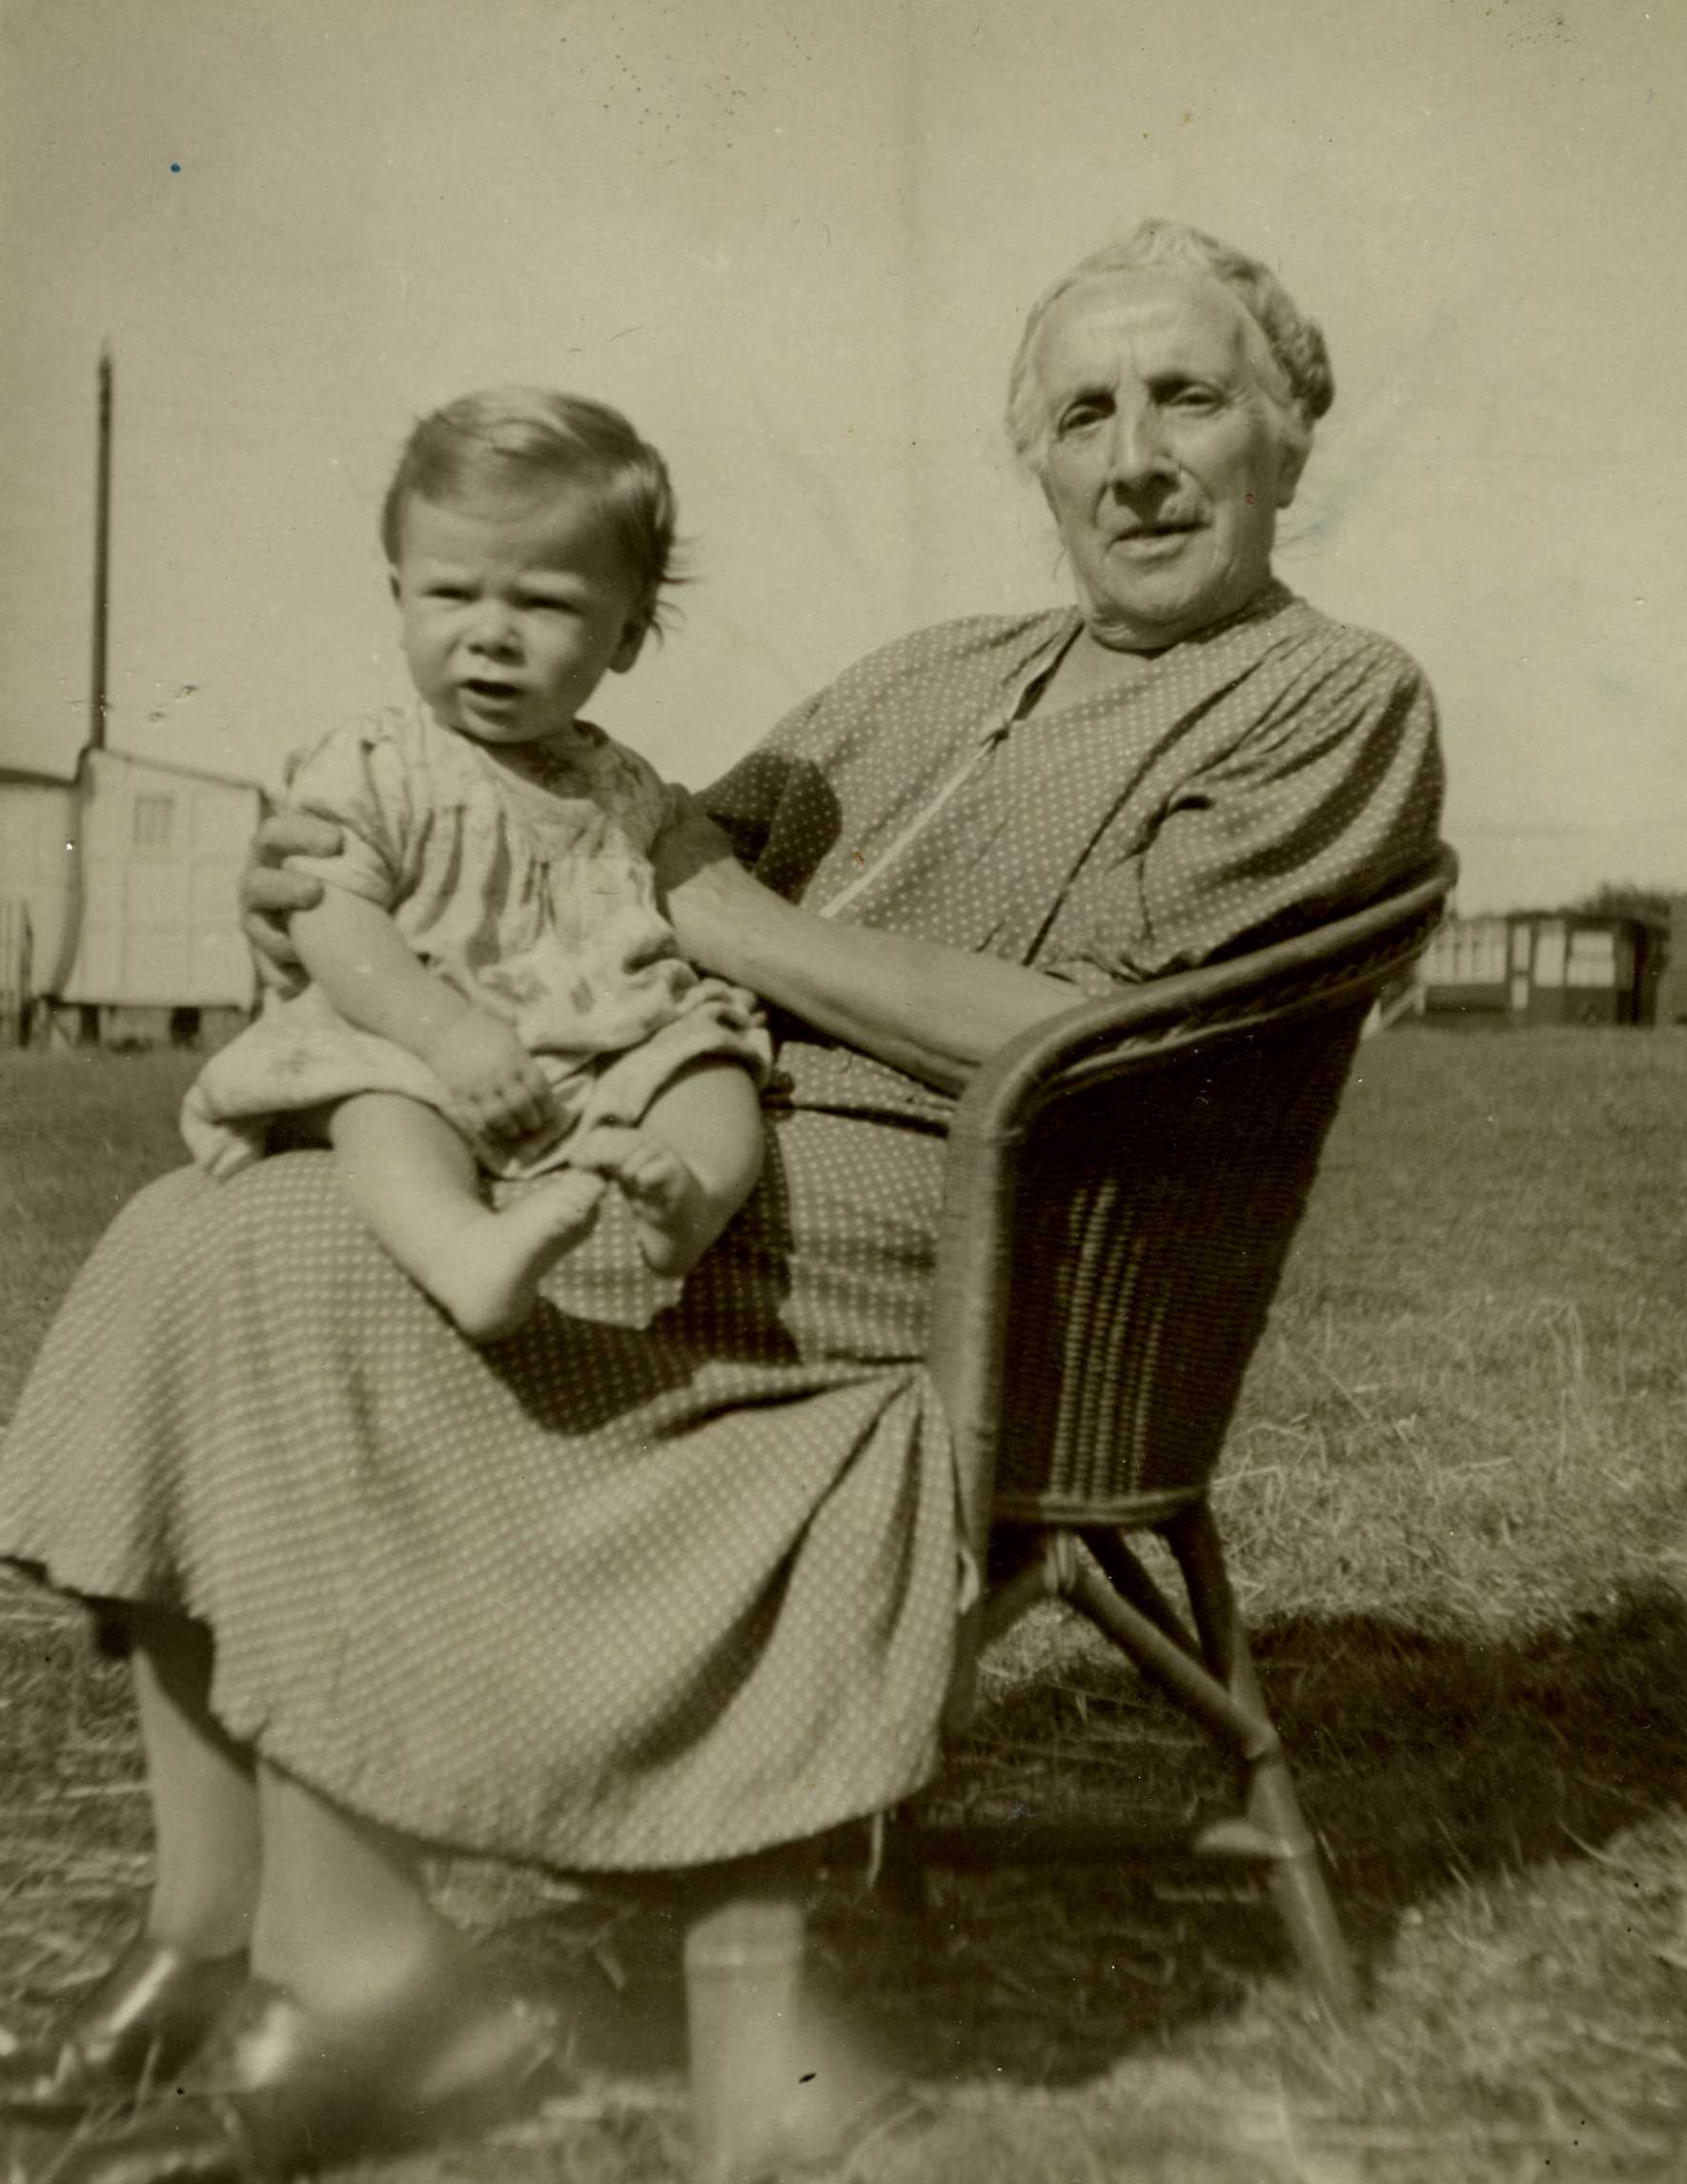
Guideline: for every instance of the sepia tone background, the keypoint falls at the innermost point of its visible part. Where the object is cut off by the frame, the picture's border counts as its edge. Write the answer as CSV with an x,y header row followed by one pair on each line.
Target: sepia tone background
x,y
796,241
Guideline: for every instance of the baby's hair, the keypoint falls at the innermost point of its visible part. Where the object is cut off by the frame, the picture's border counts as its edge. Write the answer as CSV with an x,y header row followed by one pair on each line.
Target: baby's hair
x,y
523,438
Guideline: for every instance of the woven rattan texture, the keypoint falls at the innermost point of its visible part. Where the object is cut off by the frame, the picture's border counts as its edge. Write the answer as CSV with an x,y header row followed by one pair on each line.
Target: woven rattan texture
x,y
1153,1217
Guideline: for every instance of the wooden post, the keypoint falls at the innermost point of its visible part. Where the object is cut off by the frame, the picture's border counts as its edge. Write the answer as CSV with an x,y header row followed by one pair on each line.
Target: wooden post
x,y
102,556
58,978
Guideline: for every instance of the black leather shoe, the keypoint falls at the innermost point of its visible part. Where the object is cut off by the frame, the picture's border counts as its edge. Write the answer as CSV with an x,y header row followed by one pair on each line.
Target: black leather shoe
x,y
141,2023
277,2089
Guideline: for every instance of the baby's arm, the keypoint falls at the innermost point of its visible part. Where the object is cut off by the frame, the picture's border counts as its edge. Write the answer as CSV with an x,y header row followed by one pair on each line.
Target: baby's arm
x,y
357,955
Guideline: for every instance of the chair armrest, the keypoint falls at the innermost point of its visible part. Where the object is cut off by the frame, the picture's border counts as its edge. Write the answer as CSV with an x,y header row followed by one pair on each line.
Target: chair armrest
x,y
1325,969
1330,971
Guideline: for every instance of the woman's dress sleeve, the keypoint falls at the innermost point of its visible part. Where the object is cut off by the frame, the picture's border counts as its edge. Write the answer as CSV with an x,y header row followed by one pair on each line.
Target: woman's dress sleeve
x,y
1331,799
748,797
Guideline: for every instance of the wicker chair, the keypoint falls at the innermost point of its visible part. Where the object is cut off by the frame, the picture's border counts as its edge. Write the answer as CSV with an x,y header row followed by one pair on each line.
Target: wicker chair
x,y
1124,1183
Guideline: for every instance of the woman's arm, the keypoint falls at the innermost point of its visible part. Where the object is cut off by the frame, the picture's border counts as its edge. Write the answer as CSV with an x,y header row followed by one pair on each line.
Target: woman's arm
x,y
932,1011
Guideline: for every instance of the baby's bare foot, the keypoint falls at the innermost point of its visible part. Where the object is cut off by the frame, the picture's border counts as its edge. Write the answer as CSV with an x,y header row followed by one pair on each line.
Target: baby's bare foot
x,y
490,1272
673,1213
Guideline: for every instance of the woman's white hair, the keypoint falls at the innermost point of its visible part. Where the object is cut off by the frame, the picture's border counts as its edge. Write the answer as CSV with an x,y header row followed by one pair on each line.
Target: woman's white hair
x,y
1294,342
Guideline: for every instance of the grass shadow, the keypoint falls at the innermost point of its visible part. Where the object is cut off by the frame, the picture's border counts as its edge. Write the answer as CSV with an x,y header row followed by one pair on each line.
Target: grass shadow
x,y
1425,1762
1427,1759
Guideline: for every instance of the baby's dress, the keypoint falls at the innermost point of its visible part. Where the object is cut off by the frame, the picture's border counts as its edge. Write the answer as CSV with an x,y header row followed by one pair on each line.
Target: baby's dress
x,y
536,903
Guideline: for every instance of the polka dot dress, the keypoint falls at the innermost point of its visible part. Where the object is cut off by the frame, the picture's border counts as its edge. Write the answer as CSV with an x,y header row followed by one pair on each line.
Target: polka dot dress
x,y
659,1582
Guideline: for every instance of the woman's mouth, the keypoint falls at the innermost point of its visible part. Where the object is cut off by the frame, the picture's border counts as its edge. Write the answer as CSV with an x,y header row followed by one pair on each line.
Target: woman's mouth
x,y
1152,538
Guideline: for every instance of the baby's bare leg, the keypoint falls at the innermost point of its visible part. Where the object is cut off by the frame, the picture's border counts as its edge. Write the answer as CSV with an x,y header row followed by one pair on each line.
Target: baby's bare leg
x,y
689,1165
415,1181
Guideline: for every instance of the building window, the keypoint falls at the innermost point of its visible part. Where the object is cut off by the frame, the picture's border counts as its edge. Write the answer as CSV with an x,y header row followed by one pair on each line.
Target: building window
x,y
1592,960
1471,952
152,816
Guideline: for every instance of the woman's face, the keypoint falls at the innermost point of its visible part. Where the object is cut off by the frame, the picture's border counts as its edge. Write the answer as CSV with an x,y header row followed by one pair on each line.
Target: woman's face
x,y
1165,463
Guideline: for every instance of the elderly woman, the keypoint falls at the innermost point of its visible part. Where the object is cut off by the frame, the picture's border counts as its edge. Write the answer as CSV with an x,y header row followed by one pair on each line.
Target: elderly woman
x,y
670,1589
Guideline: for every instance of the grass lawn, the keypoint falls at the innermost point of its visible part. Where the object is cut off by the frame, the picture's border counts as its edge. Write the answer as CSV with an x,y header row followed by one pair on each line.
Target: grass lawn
x,y
1457,1508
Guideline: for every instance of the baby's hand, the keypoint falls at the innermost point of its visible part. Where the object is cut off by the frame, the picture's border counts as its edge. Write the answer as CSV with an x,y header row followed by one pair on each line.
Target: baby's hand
x,y
495,1083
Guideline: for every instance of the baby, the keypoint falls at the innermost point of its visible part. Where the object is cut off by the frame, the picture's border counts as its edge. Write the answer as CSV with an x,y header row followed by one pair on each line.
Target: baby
x,y
492,989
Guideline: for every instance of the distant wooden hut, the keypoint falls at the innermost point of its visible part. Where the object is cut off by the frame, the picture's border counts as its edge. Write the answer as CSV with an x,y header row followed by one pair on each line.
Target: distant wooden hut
x,y
1544,967
118,888
118,882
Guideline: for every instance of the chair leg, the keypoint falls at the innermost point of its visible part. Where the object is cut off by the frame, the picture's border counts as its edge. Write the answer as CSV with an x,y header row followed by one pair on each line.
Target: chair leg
x,y
901,1877
1298,1888
1301,1894
1131,1582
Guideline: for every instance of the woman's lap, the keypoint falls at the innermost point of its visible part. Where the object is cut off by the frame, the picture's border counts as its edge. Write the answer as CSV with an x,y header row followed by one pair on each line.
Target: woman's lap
x,y
604,1595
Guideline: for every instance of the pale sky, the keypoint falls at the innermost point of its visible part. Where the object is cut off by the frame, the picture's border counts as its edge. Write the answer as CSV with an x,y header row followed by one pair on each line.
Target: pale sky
x,y
795,240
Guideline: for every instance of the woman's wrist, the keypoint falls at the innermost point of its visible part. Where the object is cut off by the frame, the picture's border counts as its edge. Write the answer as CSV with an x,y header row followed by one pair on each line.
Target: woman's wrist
x,y
716,913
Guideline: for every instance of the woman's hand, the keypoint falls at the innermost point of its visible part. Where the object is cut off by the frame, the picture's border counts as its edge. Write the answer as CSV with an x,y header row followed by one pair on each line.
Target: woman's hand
x,y
268,893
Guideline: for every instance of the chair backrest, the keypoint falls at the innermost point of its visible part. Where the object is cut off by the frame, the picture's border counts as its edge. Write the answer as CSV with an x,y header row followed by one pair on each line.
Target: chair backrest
x,y
1123,1186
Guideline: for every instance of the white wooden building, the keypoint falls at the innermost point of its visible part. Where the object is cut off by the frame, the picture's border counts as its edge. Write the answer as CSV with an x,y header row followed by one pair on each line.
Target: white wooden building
x,y
119,888
1544,966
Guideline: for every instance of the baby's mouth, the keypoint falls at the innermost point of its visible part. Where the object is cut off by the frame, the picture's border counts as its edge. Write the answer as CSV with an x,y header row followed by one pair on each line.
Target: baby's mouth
x,y
491,692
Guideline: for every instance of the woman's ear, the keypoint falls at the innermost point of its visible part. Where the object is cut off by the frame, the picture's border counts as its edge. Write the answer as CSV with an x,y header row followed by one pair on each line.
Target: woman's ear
x,y
1291,461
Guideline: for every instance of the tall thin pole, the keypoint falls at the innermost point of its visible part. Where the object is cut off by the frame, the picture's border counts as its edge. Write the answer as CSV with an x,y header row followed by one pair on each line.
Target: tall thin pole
x,y
102,549
76,877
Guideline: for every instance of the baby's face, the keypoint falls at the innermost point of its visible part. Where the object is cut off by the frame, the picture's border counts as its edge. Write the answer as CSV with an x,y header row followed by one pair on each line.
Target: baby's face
x,y
512,612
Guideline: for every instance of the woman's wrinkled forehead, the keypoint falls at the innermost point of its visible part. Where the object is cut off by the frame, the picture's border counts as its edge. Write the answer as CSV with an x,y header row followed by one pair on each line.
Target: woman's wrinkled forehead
x,y
1156,319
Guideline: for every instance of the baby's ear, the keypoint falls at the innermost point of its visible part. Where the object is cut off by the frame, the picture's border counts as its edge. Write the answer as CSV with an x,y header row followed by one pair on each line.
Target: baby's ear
x,y
631,645
393,584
